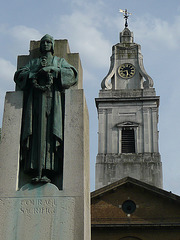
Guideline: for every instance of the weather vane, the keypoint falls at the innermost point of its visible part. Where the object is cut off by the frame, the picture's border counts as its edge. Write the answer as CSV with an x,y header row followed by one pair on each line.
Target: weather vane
x,y
126,15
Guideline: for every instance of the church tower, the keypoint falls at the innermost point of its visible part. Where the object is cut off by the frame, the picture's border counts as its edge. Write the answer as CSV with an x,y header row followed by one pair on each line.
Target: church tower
x,y
128,117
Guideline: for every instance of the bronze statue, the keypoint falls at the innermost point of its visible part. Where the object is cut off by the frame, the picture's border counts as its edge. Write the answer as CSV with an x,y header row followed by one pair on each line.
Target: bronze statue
x,y
43,81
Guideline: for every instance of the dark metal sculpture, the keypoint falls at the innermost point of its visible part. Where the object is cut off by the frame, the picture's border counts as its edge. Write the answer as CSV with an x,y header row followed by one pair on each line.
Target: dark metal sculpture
x,y
43,81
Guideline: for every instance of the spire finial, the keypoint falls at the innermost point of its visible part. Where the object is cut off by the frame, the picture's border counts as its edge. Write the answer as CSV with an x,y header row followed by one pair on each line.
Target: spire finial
x,y
126,16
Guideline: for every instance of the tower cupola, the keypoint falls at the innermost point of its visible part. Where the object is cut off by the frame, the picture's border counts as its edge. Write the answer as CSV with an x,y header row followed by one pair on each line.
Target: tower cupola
x,y
126,36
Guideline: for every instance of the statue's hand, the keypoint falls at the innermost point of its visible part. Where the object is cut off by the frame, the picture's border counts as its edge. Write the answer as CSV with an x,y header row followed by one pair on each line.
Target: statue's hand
x,y
50,69
48,72
54,70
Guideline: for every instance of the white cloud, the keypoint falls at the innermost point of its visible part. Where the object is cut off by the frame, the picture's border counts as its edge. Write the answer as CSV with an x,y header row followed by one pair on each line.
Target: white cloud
x,y
85,37
20,32
158,33
17,40
23,33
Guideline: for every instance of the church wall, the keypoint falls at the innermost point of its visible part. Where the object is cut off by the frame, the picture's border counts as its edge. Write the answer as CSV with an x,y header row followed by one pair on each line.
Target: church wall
x,y
155,216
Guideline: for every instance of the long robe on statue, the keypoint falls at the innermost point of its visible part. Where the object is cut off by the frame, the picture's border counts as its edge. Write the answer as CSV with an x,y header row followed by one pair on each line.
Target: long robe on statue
x,y
43,110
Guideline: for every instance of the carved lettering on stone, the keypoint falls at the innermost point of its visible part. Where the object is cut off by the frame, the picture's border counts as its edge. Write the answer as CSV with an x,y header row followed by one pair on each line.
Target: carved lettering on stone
x,y
38,206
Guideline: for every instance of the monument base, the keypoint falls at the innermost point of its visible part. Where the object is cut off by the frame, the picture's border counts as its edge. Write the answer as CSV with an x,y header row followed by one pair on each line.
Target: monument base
x,y
42,211
38,212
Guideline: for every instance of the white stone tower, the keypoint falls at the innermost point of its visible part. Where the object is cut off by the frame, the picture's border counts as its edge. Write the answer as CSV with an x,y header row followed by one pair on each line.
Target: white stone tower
x,y
128,118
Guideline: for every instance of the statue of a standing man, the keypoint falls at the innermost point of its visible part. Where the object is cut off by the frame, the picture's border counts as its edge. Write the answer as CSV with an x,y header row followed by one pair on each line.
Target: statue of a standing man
x,y
43,81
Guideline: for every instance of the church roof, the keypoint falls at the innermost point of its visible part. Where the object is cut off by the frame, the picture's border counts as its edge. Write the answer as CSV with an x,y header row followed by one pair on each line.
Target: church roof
x,y
128,180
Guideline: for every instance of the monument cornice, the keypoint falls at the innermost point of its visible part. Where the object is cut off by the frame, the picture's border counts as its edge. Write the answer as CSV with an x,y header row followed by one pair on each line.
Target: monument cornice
x,y
129,99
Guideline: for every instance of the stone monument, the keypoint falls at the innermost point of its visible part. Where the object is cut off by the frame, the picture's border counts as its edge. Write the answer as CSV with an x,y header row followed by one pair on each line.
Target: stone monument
x,y
44,166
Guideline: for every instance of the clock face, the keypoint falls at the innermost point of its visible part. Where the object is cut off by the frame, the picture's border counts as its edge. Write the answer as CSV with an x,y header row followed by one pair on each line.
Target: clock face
x,y
126,70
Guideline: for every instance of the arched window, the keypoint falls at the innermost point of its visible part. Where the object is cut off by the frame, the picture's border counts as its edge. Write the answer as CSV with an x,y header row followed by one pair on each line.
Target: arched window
x,y
127,140
130,238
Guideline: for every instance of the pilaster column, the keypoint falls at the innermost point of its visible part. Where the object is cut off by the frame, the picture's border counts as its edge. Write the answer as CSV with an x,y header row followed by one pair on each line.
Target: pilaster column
x,y
120,140
109,140
147,137
154,130
102,131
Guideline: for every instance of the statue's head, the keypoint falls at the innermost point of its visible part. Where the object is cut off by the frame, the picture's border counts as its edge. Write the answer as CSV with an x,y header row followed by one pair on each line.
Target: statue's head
x,y
48,38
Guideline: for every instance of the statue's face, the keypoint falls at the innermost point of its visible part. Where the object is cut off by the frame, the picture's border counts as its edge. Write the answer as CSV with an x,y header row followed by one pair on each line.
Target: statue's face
x,y
46,46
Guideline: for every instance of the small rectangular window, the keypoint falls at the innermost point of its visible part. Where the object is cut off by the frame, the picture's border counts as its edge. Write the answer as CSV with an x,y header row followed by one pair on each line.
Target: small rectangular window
x,y
128,141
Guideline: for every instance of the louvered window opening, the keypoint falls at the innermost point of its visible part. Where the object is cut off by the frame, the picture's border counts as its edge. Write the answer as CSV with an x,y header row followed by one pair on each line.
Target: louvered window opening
x,y
128,141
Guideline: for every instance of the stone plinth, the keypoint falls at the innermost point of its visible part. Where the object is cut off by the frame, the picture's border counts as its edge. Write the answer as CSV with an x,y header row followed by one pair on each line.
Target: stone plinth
x,y
43,211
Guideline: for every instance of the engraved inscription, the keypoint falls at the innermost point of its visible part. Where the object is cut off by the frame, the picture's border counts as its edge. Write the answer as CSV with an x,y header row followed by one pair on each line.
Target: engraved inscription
x,y
38,206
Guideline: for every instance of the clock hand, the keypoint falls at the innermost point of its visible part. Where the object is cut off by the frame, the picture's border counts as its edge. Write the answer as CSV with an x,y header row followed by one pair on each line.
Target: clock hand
x,y
127,73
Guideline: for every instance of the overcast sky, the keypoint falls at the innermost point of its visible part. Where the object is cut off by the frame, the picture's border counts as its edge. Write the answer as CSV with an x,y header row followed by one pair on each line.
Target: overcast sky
x,y
92,27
